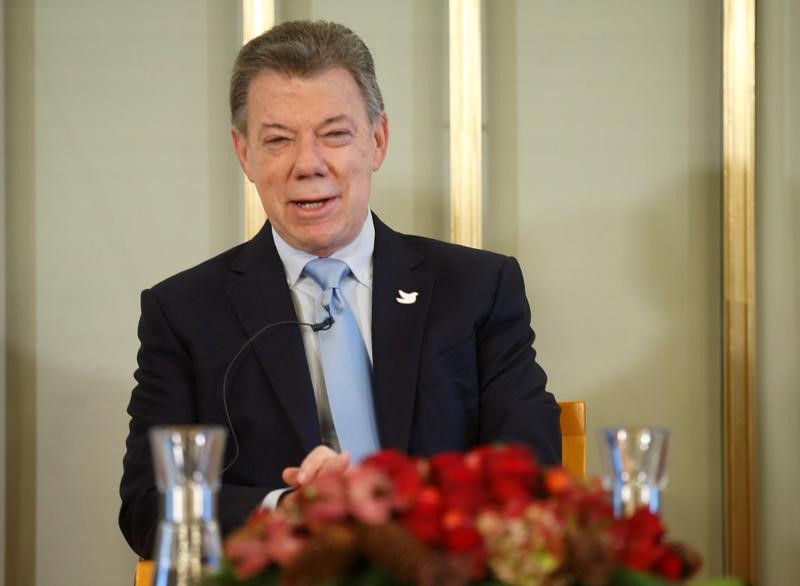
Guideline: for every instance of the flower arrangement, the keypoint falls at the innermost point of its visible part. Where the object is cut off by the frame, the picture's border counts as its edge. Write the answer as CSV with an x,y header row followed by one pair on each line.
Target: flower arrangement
x,y
489,516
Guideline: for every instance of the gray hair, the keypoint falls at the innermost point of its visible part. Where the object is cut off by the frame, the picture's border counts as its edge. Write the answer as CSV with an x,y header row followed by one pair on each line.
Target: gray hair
x,y
304,48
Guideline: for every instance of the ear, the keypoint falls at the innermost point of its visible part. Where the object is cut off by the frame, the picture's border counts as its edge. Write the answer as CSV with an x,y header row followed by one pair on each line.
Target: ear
x,y
381,137
240,148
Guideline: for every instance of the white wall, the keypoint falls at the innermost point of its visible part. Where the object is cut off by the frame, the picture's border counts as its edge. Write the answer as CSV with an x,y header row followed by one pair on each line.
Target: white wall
x,y
778,288
133,179
604,179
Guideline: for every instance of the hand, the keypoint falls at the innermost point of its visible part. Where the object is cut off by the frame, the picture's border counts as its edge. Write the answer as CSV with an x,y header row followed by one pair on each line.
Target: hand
x,y
320,459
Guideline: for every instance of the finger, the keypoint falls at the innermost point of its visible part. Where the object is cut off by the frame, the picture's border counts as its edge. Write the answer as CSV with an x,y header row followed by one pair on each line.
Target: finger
x,y
312,463
336,465
287,499
289,476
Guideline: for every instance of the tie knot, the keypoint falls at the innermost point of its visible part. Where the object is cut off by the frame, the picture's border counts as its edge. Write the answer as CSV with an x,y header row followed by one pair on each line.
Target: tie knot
x,y
327,272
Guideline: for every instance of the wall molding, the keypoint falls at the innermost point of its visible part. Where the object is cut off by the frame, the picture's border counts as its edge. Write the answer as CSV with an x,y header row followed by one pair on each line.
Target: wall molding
x,y
257,16
466,178
739,300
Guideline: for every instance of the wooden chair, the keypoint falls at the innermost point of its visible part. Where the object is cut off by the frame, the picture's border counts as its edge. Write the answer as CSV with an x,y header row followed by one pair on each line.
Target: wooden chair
x,y
573,437
573,455
145,572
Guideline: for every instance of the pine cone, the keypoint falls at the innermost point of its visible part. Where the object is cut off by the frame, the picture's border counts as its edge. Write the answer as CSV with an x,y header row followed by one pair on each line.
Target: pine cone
x,y
330,553
392,547
589,557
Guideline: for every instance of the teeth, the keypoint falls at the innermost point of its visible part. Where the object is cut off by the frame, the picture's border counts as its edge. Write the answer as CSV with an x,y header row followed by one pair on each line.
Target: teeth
x,y
310,205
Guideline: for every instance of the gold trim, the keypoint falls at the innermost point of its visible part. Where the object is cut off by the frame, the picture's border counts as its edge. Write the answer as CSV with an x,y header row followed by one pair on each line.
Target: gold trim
x,y
257,16
465,122
19,534
739,287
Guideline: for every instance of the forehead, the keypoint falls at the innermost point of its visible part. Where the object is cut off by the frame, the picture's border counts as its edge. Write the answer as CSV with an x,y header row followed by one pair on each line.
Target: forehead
x,y
325,94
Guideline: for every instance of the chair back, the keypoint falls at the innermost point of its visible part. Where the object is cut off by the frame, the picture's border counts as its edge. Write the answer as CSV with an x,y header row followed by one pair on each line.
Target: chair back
x,y
144,573
573,437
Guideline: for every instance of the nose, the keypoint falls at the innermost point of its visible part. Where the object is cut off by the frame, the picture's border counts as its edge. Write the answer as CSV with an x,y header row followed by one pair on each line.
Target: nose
x,y
310,160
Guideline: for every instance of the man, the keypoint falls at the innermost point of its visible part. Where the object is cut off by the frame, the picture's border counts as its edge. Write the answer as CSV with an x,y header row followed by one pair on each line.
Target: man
x,y
444,330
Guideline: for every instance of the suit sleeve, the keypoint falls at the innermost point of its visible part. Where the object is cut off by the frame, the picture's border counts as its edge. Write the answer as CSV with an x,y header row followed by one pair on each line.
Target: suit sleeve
x,y
514,403
164,395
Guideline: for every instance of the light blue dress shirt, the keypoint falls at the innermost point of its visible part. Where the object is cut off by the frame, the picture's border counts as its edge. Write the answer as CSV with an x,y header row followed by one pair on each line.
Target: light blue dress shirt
x,y
357,289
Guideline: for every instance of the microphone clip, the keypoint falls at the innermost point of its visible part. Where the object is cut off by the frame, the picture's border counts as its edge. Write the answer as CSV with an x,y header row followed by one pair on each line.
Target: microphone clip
x,y
326,323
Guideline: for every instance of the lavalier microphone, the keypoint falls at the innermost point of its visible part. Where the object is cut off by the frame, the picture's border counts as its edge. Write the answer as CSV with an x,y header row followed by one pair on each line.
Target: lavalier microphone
x,y
318,327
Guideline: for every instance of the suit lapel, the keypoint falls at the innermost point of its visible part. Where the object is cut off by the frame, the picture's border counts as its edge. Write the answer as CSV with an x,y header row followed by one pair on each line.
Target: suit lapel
x,y
397,333
258,291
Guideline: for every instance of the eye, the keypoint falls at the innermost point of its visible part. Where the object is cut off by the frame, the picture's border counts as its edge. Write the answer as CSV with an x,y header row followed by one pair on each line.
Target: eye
x,y
274,141
337,136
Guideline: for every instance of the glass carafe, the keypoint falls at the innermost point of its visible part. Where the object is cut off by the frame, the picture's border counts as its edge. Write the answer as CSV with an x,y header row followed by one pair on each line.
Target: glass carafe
x,y
187,462
636,467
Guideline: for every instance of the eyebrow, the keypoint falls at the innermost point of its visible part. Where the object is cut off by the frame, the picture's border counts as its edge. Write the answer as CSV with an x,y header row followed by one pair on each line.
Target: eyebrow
x,y
336,120
326,122
275,125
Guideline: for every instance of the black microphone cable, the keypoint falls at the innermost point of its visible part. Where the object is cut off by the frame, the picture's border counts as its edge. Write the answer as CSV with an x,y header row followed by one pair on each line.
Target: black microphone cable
x,y
318,327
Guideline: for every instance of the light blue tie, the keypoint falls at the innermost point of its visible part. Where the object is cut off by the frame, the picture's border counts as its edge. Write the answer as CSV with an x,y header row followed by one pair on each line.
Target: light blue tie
x,y
345,363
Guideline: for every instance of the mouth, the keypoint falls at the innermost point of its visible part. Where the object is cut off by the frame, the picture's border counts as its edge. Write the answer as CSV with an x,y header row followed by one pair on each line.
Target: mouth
x,y
311,205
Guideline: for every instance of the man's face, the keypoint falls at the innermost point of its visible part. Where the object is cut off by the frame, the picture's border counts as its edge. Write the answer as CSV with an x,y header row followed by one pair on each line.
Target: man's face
x,y
311,151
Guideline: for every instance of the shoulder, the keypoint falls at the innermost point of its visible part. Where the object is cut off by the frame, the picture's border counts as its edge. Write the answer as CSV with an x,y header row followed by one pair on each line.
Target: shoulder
x,y
452,265
461,265
256,254
448,254
200,276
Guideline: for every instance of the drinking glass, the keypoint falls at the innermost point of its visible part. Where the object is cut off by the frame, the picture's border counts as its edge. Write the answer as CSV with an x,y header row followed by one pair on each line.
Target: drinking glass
x,y
635,467
187,462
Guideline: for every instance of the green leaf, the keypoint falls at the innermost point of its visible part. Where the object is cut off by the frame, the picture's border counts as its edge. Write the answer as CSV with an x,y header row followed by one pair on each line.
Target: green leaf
x,y
226,577
716,582
625,577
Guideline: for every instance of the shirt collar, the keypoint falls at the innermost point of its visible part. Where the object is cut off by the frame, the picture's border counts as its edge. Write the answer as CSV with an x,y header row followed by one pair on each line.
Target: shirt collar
x,y
357,255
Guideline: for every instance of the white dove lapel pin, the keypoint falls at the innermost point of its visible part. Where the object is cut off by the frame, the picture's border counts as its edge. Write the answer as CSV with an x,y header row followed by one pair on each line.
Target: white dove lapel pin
x,y
406,298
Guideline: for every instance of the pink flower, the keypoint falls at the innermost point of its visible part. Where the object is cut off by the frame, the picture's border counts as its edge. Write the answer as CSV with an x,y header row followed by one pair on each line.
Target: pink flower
x,y
249,556
284,543
369,493
323,500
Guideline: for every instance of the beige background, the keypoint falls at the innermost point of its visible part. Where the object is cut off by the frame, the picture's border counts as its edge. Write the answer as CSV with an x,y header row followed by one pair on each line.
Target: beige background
x,y
603,161
613,121
778,271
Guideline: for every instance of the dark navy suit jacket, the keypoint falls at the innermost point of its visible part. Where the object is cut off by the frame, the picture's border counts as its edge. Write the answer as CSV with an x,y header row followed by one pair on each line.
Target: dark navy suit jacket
x,y
453,370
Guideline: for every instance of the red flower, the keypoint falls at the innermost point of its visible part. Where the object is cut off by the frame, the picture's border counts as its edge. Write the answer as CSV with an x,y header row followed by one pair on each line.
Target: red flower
x,y
557,481
461,484
404,474
461,537
638,543
510,474
669,565
423,519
